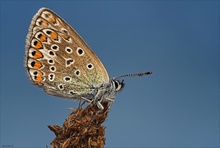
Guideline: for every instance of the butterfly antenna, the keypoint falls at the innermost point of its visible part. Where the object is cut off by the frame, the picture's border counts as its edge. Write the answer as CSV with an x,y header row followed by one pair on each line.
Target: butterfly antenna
x,y
135,75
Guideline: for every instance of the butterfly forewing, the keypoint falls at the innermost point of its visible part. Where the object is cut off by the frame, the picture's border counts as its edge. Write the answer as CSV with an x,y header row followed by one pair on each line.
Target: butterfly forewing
x,y
58,59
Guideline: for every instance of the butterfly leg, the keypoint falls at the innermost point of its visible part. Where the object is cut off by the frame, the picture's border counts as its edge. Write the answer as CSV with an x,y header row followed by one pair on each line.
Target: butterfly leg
x,y
86,99
111,100
98,103
81,103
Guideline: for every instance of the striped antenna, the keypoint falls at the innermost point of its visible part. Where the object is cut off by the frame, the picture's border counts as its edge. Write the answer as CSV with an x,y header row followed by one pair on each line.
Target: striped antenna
x,y
134,75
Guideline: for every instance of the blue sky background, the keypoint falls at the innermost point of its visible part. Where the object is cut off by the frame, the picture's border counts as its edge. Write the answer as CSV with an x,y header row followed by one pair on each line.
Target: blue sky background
x,y
177,106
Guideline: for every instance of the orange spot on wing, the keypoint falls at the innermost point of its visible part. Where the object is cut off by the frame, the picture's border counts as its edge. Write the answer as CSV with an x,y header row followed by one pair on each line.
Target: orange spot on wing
x,y
37,65
38,45
38,55
52,19
66,37
39,76
44,24
43,38
53,35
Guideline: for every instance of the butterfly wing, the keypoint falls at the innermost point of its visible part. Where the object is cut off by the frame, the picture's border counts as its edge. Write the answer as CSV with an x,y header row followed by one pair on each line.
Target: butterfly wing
x,y
58,60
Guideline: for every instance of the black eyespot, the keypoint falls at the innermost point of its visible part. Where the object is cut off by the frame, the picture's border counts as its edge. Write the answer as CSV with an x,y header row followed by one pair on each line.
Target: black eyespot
x,y
40,22
90,66
77,72
69,61
52,68
39,35
46,15
72,93
69,50
51,53
35,73
35,43
33,53
64,31
67,78
80,52
60,86
55,47
33,63
51,77
51,61
48,32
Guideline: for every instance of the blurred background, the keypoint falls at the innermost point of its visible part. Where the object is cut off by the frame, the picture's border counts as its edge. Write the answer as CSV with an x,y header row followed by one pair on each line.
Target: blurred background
x,y
176,106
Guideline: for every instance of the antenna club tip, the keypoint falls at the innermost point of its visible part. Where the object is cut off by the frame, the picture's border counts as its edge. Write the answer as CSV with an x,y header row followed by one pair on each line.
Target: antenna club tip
x,y
149,72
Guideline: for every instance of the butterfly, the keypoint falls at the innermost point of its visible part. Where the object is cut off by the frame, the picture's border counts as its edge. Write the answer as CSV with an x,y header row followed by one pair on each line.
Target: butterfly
x,y
59,61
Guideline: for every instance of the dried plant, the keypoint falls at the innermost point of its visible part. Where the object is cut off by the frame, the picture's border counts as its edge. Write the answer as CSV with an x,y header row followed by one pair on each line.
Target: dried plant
x,y
82,129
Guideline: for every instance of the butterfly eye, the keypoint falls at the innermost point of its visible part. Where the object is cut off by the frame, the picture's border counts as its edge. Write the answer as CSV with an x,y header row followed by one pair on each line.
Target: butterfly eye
x,y
118,85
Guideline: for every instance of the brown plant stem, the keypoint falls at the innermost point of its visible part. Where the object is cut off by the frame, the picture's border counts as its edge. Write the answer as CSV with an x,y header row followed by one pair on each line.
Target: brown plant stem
x,y
82,128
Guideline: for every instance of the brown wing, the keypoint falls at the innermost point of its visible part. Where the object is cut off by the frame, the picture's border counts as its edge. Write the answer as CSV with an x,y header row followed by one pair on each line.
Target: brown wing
x,y
58,59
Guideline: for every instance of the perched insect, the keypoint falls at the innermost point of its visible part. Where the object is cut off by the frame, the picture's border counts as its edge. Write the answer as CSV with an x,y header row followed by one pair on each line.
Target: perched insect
x,y
59,61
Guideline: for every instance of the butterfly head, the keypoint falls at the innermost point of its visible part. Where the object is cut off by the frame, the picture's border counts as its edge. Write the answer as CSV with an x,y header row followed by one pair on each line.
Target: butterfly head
x,y
118,85
107,91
